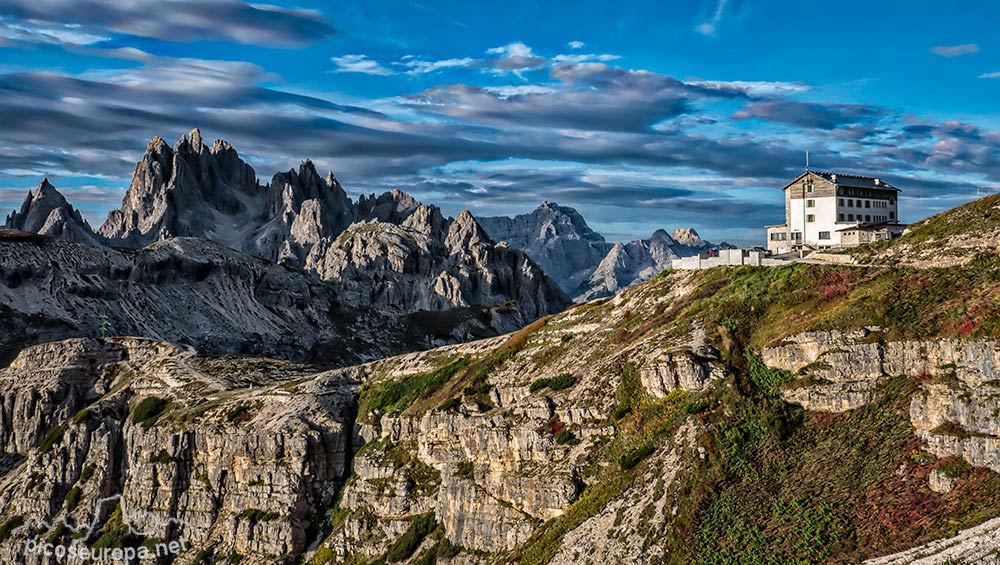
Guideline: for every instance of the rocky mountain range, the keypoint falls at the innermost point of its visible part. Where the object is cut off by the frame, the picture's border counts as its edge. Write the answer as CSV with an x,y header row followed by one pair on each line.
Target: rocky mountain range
x,y
387,253
802,413
584,264
388,256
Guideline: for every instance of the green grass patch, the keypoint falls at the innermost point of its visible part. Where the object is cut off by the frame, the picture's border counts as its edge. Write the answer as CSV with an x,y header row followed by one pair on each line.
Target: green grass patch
x,y
420,527
148,410
55,436
8,526
257,515
72,499
396,395
565,436
561,382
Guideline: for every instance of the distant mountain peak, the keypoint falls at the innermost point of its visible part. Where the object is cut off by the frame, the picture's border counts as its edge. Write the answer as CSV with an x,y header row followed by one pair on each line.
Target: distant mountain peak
x,y
46,211
689,237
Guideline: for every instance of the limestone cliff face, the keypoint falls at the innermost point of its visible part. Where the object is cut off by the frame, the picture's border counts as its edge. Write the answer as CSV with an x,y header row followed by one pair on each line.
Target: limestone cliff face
x,y
46,212
838,371
236,472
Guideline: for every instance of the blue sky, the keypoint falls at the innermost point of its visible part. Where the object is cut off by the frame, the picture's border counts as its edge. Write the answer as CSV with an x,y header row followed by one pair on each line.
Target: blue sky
x,y
640,114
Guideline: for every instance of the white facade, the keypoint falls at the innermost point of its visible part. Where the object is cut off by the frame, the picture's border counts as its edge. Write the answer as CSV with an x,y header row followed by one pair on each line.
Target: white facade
x,y
819,205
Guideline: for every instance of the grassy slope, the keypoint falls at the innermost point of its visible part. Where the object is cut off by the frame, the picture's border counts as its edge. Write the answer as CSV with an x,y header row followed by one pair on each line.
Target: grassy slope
x,y
958,233
778,485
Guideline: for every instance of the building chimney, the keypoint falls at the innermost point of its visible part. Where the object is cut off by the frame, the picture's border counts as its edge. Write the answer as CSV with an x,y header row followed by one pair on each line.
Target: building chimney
x,y
878,182
833,177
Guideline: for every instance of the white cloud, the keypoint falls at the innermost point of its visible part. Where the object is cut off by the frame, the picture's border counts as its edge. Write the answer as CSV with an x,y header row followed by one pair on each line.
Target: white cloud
x,y
709,27
419,67
582,57
754,88
515,58
576,44
57,34
955,50
990,75
359,64
505,92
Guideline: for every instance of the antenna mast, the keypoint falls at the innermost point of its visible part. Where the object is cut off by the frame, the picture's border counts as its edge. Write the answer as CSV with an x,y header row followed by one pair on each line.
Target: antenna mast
x,y
807,160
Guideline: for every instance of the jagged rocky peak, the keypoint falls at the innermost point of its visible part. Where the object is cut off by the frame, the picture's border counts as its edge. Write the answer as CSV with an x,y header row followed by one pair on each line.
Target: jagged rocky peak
x,y
187,190
45,211
465,232
566,220
662,235
399,208
556,237
289,189
303,209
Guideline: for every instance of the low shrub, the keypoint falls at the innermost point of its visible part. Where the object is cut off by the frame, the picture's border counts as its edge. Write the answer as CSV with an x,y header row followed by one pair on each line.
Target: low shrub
x,y
72,499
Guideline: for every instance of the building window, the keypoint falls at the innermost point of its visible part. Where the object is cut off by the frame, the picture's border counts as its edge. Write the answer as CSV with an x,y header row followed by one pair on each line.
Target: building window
x,y
810,203
840,217
809,186
810,217
850,203
892,215
779,236
850,217
868,218
868,203
824,235
840,202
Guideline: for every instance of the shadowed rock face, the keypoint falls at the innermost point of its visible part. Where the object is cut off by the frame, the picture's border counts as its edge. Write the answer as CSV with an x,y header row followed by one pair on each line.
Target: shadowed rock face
x,y
190,190
46,212
197,292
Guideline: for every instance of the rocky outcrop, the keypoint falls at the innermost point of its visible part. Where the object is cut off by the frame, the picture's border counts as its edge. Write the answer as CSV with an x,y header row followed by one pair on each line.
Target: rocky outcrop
x,y
979,544
46,212
629,529
684,370
837,371
426,263
954,412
